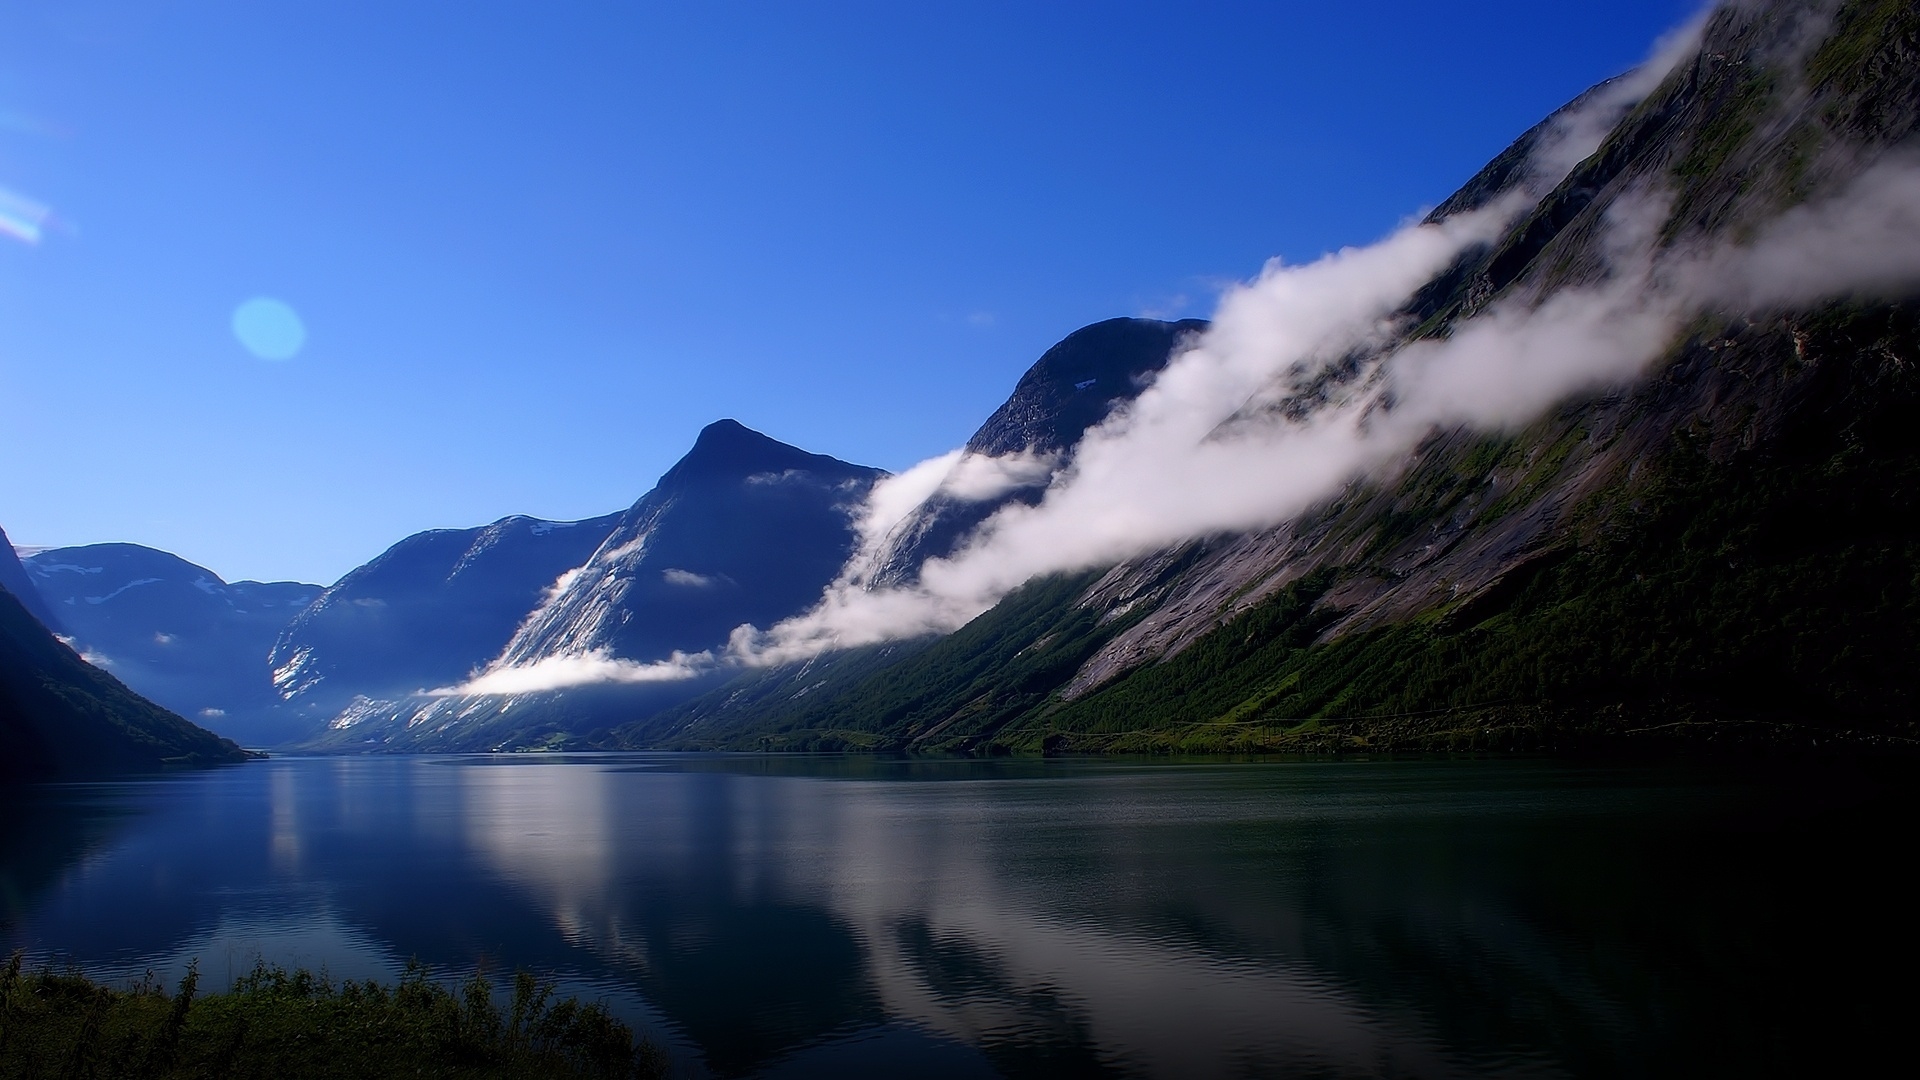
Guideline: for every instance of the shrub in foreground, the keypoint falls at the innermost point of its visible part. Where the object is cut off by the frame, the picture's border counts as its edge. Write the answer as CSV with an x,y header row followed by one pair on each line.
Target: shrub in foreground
x,y
291,1025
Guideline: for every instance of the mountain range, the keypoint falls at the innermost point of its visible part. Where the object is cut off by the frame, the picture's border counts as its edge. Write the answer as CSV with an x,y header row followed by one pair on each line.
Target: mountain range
x,y
183,637
1674,502
1722,549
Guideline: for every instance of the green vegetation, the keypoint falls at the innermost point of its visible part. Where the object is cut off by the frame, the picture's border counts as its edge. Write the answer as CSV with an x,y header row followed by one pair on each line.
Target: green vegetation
x,y
1743,99
292,1026
950,696
61,715
1776,586
1864,32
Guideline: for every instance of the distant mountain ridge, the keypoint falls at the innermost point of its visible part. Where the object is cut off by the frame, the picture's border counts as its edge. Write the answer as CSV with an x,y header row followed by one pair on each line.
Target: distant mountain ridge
x,y
742,529
172,630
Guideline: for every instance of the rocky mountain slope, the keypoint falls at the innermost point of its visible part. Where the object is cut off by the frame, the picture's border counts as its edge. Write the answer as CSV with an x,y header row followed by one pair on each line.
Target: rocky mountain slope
x,y
173,631
1726,548
60,716
743,529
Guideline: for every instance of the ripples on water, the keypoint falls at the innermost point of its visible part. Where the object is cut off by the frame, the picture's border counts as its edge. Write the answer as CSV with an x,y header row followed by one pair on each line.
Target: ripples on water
x,y
794,917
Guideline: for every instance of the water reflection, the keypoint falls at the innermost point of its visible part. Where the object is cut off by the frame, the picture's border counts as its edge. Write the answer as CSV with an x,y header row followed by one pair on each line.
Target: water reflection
x,y
800,917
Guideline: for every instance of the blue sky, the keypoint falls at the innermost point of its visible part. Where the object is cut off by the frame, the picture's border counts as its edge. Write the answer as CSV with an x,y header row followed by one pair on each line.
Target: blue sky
x,y
534,247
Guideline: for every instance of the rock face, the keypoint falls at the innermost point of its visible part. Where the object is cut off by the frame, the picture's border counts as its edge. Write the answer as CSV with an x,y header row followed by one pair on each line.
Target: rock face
x,y
742,529
1079,382
1729,546
423,614
60,716
173,631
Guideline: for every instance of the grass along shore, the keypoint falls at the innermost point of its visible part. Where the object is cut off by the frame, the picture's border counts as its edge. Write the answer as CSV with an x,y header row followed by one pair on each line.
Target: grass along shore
x,y
293,1025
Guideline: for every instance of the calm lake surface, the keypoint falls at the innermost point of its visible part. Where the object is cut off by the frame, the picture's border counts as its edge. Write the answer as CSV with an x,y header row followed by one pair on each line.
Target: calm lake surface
x,y
790,917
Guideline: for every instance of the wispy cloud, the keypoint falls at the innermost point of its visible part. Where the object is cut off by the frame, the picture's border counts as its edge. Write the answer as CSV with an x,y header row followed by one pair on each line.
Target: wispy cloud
x,y
1204,451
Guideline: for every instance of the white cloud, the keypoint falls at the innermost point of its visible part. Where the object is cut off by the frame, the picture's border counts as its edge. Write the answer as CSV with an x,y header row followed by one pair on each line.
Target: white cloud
x,y
981,477
597,667
559,586
1201,453
1152,474
1862,241
1579,132
785,476
686,579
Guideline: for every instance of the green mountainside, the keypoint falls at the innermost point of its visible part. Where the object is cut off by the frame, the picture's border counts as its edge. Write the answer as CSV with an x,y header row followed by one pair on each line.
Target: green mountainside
x,y
61,716
1728,550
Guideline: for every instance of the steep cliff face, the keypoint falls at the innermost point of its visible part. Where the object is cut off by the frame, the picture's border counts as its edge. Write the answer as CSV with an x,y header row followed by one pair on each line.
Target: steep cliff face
x,y
423,614
1724,547
14,579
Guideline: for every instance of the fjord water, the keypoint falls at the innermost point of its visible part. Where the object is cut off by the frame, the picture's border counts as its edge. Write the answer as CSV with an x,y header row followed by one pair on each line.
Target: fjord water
x,y
786,916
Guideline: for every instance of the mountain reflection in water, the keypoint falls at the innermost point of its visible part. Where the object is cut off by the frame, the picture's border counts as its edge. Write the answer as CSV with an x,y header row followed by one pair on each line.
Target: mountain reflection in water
x,y
807,916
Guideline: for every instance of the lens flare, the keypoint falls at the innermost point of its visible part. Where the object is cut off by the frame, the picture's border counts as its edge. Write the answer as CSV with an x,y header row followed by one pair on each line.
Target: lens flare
x,y
269,328
21,218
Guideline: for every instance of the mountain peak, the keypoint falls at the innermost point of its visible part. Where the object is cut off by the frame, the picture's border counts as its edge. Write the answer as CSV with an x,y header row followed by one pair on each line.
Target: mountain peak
x,y
727,431
729,450
1079,381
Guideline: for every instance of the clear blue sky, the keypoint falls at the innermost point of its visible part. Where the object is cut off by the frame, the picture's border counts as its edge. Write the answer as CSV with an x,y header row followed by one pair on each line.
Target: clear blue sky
x,y
535,246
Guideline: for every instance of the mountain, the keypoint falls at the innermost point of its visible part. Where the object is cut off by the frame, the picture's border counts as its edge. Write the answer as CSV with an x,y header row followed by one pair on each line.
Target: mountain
x,y
1725,550
173,631
742,529
14,579
423,614
1073,386
60,716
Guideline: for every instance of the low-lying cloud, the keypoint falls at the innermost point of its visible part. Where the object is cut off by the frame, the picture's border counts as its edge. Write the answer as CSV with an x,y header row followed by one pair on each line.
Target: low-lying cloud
x,y
1203,452
594,668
